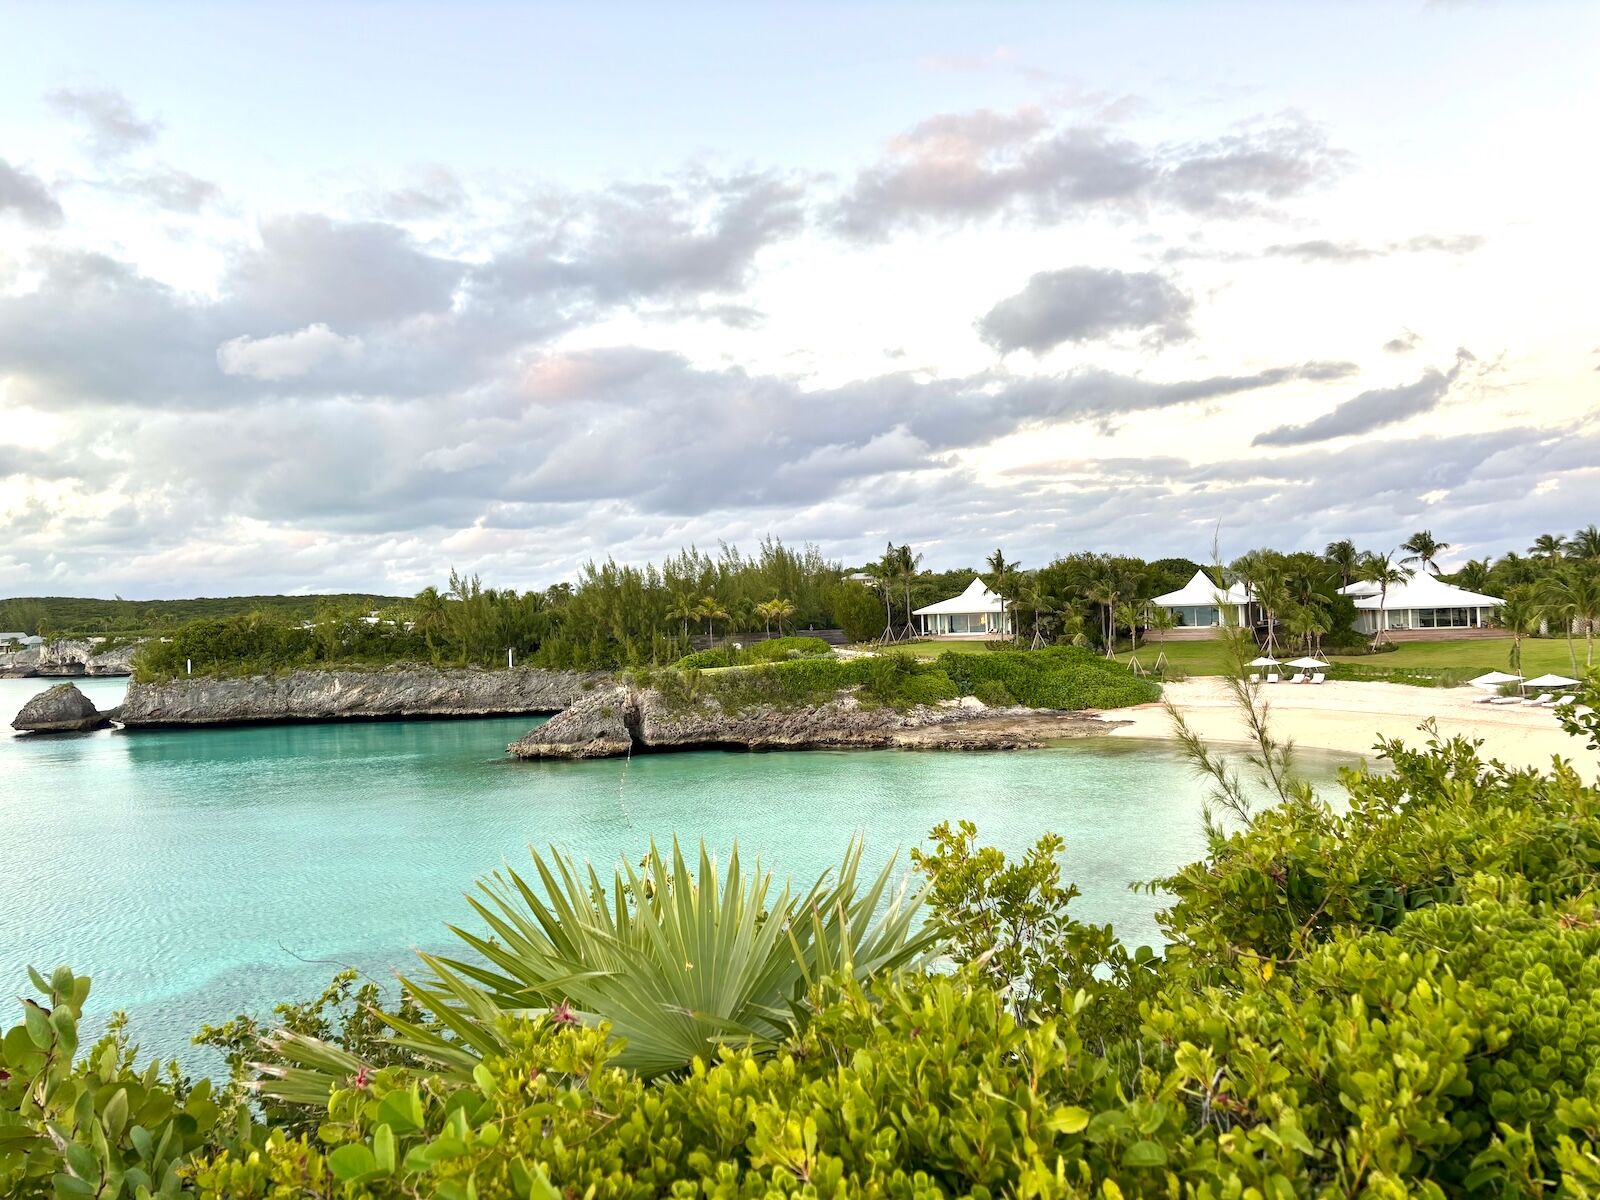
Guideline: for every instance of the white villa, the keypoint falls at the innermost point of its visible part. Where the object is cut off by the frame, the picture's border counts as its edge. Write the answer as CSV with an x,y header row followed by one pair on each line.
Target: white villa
x,y
975,613
1200,606
1424,606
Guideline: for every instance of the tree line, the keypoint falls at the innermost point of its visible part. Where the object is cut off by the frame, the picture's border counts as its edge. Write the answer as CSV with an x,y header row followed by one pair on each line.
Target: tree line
x,y
618,615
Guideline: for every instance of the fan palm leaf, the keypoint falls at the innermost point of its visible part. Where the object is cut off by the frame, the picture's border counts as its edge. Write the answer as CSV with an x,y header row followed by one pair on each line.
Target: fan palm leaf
x,y
675,958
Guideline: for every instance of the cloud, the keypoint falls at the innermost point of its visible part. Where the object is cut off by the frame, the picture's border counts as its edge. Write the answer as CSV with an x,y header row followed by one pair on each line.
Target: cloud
x,y
1081,304
959,167
285,355
309,268
1325,250
111,125
699,233
1370,410
27,197
169,188
1403,343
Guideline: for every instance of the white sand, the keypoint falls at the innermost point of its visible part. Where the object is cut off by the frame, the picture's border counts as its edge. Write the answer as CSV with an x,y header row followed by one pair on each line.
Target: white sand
x,y
1350,717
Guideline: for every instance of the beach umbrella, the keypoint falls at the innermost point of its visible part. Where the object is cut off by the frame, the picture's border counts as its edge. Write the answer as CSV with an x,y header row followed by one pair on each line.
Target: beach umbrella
x,y
1552,681
1308,663
1494,679
1264,661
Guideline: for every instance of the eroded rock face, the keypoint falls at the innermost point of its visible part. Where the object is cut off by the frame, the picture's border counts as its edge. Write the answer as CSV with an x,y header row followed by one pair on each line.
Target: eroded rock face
x,y
597,726
68,657
625,720
389,693
61,709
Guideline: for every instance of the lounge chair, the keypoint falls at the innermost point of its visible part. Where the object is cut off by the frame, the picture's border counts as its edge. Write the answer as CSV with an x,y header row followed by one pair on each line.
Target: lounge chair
x,y
1273,677
1506,700
1297,678
1563,701
1486,698
1544,701
1320,677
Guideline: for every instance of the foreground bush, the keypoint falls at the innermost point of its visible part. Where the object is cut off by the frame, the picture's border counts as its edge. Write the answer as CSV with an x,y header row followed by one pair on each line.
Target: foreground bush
x,y
1398,1000
778,649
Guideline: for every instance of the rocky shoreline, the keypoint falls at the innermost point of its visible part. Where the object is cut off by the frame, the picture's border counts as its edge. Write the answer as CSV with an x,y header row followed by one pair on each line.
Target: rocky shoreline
x,y
67,659
620,720
390,693
61,709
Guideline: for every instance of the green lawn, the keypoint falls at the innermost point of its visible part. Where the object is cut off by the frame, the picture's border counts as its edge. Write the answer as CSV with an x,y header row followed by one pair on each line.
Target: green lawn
x,y
1539,656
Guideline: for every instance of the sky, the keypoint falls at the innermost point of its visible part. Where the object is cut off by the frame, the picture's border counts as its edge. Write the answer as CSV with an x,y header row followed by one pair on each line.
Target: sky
x,y
316,297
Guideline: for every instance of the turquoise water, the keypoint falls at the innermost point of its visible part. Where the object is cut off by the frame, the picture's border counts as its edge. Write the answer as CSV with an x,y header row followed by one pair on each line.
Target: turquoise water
x,y
199,873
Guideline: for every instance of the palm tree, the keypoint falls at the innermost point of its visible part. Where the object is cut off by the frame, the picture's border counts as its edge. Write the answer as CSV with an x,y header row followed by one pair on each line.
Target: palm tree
x,y
709,610
1519,615
1001,576
1423,549
907,564
1346,559
1572,596
1159,619
1585,544
781,612
428,615
1548,545
1474,574
683,609
1103,591
1306,622
1128,614
1382,570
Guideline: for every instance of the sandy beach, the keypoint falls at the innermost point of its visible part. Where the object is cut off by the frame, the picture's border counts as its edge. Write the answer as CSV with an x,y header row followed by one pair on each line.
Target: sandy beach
x,y
1350,717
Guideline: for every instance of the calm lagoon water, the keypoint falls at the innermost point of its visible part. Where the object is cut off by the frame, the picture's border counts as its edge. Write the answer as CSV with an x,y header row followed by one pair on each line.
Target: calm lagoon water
x,y
200,873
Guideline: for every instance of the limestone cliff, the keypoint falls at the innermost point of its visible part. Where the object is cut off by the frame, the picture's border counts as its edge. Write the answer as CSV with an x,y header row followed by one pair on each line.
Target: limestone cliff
x,y
621,720
379,694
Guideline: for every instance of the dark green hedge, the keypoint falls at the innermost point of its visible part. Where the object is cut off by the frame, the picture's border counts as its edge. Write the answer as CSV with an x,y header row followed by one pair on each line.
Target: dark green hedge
x,y
1060,677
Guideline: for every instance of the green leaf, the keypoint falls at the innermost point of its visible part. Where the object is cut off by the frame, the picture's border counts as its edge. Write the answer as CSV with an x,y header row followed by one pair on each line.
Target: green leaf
x,y
1144,1154
115,1114
402,1111
83,1163
1070,1119
38,1023
383,1149
352,1163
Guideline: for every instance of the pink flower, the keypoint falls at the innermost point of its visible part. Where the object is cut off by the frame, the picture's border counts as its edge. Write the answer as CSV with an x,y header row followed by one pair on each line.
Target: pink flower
x,y
361,1079
562,1014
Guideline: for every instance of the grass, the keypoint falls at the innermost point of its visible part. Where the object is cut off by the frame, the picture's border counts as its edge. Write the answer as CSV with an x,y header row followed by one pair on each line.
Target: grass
x,y
1539,656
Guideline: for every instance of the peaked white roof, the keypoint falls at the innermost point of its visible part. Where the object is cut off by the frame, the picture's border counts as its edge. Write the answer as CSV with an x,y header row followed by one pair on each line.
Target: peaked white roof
x,y
1422,590
976,599
1201,592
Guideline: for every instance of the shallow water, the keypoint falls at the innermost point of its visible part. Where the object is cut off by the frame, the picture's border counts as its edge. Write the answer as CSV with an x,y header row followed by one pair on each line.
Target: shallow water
x,y
199,873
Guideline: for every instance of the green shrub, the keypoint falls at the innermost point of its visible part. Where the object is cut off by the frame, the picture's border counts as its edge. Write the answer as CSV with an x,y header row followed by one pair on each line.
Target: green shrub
x,y
994,693
1064,677
772,650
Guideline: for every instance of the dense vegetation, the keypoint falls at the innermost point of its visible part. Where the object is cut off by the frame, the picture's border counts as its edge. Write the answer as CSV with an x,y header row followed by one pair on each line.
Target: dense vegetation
x,y
618,616
772,650
75,616
1393,996
1065,677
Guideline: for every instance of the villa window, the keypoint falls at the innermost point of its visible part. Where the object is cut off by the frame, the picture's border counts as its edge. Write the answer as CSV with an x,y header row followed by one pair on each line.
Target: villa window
x,y
1444,618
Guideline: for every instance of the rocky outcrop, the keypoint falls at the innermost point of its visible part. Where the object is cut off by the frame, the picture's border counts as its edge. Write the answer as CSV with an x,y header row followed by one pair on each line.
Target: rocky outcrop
x,y
624,720
597,726
61,709
70,658
351,695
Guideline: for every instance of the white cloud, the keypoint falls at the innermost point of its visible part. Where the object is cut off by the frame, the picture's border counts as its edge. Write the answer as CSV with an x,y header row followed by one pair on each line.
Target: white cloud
x,y
286,355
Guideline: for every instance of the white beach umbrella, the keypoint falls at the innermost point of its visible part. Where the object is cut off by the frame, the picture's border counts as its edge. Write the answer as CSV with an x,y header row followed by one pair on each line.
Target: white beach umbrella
x,y
1264,661
1307,663
1494,679
1552,681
